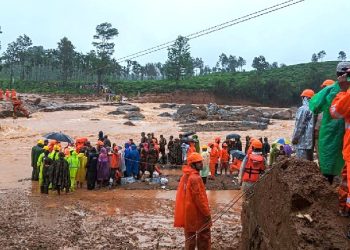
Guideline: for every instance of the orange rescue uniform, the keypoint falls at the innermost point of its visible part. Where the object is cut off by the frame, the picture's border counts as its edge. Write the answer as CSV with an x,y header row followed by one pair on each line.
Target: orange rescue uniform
x,y
192,209
340,109
214,157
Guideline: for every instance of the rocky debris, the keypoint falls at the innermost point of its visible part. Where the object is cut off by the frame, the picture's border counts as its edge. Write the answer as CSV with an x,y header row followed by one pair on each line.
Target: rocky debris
x,y
165,114
72,106
293,207
223,126
116,112
134,115
128,108
129,123
286,114
167,105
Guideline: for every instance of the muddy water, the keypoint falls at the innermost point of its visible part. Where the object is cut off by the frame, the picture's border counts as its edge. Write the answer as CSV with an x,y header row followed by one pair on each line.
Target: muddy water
x,y
145,216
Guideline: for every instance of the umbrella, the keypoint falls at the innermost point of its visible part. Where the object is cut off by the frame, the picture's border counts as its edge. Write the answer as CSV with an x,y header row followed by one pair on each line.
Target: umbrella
x,y
282,141
187,134
233,136
59,137
237,154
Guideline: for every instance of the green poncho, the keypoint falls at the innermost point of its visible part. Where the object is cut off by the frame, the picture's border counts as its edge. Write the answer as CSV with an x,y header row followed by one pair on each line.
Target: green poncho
x,y
330,141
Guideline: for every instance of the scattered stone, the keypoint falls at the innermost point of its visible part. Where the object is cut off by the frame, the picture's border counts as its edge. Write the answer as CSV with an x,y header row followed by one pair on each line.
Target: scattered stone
x,y
73,106
128,108
129,123
283,115
167,105
116,112
134,115
165,114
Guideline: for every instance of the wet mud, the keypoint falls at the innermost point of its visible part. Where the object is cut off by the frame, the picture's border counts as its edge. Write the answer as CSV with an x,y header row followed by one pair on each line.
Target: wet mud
x,y
102,219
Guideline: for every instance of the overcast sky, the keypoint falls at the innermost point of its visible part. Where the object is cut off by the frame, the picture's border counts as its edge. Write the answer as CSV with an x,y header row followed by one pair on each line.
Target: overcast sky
x,y
287,36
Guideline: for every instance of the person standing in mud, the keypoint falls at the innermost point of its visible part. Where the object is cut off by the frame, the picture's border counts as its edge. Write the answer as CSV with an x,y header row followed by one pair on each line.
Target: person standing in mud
x,y
135,162
143,157
91,172
247,143
152,160
162,145
37,150
60,175
192,210
238,144
143,137
266,147
47,173
102,167
74,164
171,154
304,128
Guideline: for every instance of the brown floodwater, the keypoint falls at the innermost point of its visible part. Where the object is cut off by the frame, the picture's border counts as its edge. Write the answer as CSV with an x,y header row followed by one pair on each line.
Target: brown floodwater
x,y
137,210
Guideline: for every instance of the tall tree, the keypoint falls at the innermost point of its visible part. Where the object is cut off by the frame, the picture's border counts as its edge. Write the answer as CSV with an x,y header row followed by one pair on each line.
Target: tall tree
x,y
66,56
260,63
223,62
104,48
321,55
342,56
179,59
314,58
232,64
198,63
241,62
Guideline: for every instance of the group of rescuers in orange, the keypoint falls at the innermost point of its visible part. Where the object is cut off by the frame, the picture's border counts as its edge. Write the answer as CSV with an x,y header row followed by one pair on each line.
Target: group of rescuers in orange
x,y
191,206
11,95
322,118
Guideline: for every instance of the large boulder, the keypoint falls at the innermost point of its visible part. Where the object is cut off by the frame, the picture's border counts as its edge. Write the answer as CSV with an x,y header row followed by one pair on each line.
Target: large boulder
x,y
134,115
185,109
128,108
286,114
199,114
165,114
212,108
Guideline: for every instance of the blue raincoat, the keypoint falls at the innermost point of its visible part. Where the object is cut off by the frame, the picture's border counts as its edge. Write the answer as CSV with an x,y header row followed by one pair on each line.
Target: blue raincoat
x,y
127,151
134,157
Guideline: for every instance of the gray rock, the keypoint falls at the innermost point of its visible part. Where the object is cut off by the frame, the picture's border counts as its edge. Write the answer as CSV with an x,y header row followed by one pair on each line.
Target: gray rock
x,y
212,108
116,113
127,108
167,105
286,114
165,114
134,115
129,123
185,109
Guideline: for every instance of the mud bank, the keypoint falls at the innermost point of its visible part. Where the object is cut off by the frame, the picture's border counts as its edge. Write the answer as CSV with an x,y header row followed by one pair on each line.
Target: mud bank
x,y
293,207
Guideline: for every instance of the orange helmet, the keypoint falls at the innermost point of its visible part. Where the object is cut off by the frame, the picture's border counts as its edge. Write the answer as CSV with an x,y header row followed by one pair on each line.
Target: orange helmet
x,y
217,139
307,93
257,144
194,157
327,83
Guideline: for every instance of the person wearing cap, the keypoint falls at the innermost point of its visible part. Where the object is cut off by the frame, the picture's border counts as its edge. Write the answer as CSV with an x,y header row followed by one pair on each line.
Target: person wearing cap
x,y
46,170
115,174
340,109
330,140
304,128
206,157
192,210
39,164
252,166
74,164
37,150
81,173
224,159
54,154
214,155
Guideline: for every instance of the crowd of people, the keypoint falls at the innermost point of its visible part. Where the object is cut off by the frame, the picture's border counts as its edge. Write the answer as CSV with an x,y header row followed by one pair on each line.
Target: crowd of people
x,y
322,125
11,96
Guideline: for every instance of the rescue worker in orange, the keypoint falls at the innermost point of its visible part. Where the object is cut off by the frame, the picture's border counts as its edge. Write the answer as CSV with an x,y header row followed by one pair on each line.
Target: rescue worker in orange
x,y
18,107
192,147
224,159
340,109
1,94
191,206
7,95
13,93
217,145
235,165
252,166
214,156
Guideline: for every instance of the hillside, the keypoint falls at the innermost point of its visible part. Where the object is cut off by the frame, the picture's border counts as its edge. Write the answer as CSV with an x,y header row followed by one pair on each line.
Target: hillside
x,y
279,86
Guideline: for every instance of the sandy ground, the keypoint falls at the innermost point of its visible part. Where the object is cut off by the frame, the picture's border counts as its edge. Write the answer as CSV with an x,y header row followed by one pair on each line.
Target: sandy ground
x,y
105,219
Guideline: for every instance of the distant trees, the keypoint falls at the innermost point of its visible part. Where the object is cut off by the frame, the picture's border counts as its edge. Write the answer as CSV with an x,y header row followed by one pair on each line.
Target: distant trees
x,y
104,48
321,55
260,63
66,58
314,58
342,56
229,63
179,60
